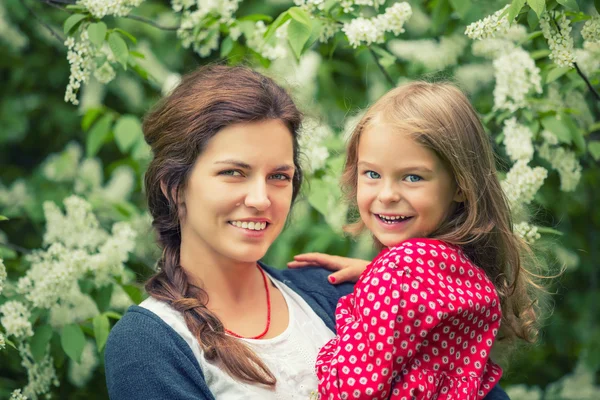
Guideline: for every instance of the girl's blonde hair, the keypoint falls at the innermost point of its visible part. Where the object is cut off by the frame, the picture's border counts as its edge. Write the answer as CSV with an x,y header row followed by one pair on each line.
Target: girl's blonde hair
x,y
440,117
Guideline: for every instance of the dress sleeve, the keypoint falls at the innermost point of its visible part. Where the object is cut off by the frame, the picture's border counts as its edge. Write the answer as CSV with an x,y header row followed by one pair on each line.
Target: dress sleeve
x,y
146,360
379,327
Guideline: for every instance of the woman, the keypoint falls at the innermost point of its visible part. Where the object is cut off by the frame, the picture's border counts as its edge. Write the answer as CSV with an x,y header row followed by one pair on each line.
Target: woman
x,y
218,323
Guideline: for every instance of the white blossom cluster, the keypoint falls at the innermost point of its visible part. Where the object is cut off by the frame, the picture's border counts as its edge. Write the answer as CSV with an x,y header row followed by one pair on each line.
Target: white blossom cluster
x,y
121,184
372,30
10,35
474,77
3,275
419,23
300,76
2,342
522,392
500,44
41,375
74,307
565,162
328,30
101,8
516,77
591,30
522,182
271,51
15,319
588,58
489,27
557,32
529,233
89,176
194,15
105,73
517,140
17,395
430,53
80,55
579,385
80,373
62,167
312,146
109,260
311,5
13,199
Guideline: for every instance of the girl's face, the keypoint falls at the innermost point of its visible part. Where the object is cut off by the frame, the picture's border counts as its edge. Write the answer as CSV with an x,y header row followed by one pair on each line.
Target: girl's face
x,y
239,192
404,190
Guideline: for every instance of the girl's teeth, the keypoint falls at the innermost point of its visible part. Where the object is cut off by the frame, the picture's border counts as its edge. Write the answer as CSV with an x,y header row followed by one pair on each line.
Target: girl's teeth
x,y
255,226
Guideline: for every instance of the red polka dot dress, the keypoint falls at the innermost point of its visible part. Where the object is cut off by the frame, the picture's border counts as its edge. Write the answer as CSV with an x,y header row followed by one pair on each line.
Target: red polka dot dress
x,y
419,325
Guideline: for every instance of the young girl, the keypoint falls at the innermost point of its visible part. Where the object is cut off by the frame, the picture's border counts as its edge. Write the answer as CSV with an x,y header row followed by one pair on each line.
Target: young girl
x,y
424,315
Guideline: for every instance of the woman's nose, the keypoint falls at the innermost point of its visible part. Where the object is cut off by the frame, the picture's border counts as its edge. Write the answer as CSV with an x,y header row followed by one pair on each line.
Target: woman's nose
x,y
257,196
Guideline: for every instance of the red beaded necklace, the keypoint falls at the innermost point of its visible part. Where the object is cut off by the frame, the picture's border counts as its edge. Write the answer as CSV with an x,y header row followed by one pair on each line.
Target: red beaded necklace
x,y
268,311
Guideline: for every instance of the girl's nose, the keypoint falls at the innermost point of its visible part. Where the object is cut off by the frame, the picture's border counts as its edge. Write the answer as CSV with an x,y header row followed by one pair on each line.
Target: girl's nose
x,y
389,194
257,196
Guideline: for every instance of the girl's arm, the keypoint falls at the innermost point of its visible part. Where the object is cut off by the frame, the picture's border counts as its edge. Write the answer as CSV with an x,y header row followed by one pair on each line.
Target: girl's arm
x,y
345,269
147,360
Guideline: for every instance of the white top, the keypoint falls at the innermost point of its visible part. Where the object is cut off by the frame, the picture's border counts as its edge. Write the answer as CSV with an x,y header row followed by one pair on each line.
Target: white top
x,y
290,356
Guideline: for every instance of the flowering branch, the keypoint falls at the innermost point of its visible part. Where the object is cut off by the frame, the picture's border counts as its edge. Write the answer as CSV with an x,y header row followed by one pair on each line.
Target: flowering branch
x,y
383,71
52,31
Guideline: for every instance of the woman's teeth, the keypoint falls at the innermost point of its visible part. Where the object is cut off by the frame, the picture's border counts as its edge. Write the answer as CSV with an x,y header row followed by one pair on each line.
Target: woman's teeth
x,y
255,226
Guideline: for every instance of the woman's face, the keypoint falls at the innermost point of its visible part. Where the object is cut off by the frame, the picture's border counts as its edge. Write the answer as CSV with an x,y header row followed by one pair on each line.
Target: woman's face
x,y
239,192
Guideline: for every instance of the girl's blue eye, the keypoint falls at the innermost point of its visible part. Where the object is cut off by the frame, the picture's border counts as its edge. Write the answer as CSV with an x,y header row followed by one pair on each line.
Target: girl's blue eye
x,y
413,178
372,175
281,177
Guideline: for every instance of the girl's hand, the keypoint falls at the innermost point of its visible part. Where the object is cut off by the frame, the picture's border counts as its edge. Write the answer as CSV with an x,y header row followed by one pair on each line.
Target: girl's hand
x,y
348,269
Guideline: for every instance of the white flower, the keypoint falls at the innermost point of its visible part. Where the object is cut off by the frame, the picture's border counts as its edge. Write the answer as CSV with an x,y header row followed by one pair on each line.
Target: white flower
x,y
2,342
591,30
492,48
15,319
522,392
527,232
273,50
89,176
17,395
80,374
2,275
120,185
516,77
372,30
101,8
522,182
517,140
311,141
565,162
587,61
80,56
109,261
40,375
74,307
311,5
63,166
474,77
430,53
105,73
12,200
489,26
559,40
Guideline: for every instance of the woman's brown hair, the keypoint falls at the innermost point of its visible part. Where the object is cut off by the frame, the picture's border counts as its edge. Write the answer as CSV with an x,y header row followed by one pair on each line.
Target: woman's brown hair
x,y
440,117
178,130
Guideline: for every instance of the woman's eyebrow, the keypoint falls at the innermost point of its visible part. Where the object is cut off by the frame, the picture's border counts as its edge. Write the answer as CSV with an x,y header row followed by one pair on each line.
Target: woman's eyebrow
x,y
241,164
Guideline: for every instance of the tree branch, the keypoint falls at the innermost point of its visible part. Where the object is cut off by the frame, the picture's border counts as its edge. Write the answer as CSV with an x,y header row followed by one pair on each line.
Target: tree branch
x,y
14,247
383,71
152,23
52,31
589,85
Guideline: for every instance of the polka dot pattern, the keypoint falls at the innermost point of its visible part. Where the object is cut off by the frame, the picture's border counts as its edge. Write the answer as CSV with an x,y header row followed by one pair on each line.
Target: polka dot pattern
x,y
419,325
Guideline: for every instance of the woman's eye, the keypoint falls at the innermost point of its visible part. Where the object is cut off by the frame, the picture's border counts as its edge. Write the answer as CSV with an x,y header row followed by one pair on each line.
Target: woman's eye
x,y
372,175
413,178
281,177
231,172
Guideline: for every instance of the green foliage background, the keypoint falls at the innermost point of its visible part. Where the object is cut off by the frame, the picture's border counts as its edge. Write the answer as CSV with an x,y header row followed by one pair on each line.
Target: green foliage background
x,y
35,122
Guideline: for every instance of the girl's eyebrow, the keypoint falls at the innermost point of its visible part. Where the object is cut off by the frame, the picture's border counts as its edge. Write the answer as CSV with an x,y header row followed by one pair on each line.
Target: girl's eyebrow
x,y
243,165
409,168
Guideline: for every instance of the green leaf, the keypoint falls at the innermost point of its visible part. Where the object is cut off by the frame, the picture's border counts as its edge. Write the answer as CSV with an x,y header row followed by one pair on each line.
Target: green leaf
x,y
102,297
594,127
119,48
440,16
597,5
113,315
90,116
298,34
281,19
532,19
556,73
536,55
226,46
537,6
569,4
40,341
3,218
137,54
97,33
72,22
462,7
299,15
126,34
101,329
576,133
256,18
515,7
72,341
134,293
558,127
545,229
97,135
128,130
594,149
141,151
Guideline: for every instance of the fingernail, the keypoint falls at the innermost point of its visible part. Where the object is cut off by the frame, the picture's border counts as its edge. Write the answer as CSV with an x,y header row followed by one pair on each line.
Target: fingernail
x,y
332,279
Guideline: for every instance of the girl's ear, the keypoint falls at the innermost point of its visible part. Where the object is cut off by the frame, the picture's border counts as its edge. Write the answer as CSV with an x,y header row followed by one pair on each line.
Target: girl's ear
x,y
459,196
163,188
